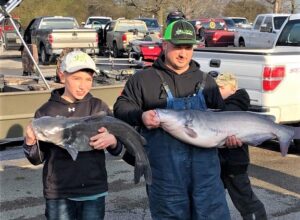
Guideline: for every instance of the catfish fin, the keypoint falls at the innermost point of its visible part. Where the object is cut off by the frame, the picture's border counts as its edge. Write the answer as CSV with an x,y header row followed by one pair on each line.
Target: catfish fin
x,y
190,132
72,151
297,133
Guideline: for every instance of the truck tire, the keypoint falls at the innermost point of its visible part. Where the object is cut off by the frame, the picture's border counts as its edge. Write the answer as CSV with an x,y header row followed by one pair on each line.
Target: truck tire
x,y
116,52
45,58
242,43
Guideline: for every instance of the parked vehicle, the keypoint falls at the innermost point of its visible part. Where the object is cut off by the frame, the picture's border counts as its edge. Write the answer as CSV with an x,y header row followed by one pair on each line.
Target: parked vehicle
x,y
229,23
145,50
53,34
214,31
241,22
271,76
96,22
262,34
117,35
152,24
8,34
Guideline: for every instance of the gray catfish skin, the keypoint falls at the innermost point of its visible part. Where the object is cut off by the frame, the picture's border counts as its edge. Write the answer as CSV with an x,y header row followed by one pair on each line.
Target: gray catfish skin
x,y
73,134
210,129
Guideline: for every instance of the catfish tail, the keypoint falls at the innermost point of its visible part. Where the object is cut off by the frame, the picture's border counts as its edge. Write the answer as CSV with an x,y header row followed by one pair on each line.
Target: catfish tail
x,y
140,169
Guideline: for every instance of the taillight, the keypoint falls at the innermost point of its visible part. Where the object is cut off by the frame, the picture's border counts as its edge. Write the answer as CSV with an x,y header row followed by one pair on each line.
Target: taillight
x,y
50,38
215,37
272,77
124,37
97,38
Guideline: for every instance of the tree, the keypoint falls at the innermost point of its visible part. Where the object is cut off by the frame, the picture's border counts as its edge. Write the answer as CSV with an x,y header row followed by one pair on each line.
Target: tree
x,y
245,8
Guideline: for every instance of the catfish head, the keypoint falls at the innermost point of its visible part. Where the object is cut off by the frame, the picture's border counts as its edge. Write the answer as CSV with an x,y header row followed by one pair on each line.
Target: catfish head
x,y
50,129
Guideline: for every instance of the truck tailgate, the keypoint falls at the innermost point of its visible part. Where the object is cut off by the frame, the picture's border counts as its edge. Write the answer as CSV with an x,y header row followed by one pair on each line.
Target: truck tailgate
x,y
74,38
249,71
282,101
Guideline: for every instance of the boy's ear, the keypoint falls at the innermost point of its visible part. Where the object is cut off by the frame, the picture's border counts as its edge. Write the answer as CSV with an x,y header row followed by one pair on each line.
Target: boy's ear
x,y
62,77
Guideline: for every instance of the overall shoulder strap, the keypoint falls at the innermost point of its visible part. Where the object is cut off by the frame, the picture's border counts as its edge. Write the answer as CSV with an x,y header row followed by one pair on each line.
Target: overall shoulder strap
x,y
164,84
201,85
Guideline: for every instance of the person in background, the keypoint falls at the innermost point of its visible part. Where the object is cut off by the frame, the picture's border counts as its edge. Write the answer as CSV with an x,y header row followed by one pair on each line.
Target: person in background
x,y
27,63
73,189
235,161
174,16
186,179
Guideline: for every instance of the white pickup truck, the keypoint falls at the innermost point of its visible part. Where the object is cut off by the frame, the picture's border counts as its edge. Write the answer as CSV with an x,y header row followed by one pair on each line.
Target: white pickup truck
x,y
262,34
270,76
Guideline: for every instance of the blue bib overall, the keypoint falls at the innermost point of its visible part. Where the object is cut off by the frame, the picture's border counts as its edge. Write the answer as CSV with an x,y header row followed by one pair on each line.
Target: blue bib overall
x,y
186,179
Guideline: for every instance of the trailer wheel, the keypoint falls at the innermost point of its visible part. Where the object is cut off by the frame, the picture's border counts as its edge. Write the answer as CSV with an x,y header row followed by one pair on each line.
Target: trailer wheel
x,y
45,58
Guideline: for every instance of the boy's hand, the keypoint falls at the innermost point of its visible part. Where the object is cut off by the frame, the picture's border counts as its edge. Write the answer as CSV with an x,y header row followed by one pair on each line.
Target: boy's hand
x,y
150,119
30,138
233,142
103,140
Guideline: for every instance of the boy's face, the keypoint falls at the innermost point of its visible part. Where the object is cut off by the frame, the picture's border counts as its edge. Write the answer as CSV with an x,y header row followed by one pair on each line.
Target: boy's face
x,y
77,85
226,90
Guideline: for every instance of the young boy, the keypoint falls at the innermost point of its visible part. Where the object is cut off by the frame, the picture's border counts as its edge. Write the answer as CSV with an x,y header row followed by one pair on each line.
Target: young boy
x,y
235,161
73,189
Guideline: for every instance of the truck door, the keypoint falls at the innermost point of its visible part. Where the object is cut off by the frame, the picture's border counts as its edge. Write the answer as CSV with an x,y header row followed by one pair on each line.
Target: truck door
x,y
253,35
266,34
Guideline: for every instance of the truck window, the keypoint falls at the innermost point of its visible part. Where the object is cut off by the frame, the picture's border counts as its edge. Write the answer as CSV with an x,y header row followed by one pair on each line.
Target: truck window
x,y
278,21
258,22
58,24
290,35
268,22
125,27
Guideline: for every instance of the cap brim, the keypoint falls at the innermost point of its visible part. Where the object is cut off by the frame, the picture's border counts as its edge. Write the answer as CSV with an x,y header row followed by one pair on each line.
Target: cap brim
x,y
183,42
77,68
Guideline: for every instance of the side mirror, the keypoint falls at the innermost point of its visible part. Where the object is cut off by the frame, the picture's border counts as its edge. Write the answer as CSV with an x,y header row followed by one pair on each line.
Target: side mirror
x,y
265,28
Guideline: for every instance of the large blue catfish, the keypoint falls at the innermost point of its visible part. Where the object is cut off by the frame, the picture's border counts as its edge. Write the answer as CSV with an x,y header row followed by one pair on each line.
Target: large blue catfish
x,y
210,129
73,134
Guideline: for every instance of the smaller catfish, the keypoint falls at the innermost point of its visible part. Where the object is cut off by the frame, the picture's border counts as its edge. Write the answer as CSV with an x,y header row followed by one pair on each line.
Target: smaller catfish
x,y
210,129
73,134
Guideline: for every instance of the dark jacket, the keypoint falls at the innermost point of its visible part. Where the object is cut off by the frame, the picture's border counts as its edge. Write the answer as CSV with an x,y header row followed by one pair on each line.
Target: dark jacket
x,y
63,177
235,160
144,91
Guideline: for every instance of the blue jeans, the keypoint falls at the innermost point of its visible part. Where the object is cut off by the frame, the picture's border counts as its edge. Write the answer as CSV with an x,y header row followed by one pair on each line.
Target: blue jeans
x,y
66,209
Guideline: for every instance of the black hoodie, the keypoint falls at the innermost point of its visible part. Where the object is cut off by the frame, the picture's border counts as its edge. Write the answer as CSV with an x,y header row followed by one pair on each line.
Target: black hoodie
x,y
235,160
63,177
144,91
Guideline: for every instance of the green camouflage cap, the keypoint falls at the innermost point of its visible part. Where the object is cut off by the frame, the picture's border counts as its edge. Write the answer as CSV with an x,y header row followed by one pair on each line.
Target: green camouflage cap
x,y
180,32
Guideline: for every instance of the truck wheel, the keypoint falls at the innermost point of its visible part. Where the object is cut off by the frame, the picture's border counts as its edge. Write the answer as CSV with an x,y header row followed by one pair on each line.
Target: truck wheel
x,y
241,43
44,56
115,50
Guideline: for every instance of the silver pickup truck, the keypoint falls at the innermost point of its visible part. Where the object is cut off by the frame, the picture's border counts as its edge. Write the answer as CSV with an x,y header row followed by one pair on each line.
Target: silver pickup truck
x,y
53,34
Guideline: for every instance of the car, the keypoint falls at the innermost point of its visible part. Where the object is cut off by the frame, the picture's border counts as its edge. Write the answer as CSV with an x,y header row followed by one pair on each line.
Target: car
x,y
229,23
96,22
241,22
8,34
213,31
152,24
